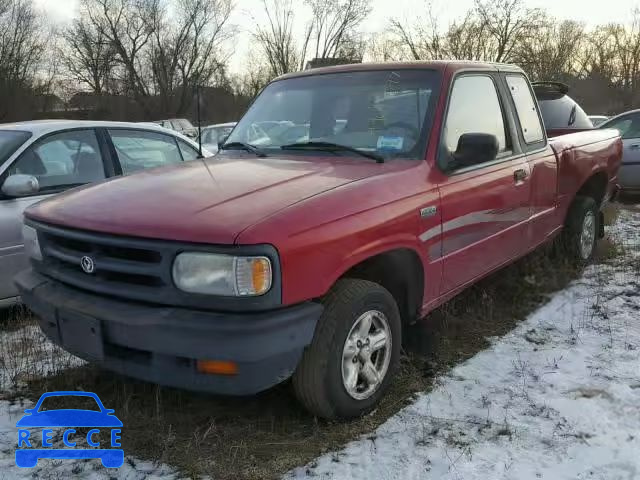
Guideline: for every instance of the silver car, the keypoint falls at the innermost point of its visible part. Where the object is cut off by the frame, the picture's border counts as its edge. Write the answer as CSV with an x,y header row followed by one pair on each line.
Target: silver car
x,y
598,120
42,158
628,124
212,135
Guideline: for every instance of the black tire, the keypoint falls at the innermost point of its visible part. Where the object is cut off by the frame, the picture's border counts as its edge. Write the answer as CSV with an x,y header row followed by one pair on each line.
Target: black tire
x,y
572,234
317,381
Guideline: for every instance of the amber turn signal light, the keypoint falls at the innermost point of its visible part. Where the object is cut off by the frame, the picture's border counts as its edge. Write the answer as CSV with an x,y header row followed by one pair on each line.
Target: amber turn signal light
x,y
217,367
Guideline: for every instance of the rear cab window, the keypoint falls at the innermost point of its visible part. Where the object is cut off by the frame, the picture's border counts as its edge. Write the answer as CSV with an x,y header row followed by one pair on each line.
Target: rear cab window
x,y
522,96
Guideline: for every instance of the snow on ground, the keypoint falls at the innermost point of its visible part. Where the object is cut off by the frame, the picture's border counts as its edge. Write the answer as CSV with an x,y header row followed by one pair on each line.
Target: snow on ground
x,y
26,353
557,398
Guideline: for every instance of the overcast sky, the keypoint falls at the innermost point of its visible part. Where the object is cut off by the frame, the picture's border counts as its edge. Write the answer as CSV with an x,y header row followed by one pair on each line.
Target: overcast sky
x,y
591,12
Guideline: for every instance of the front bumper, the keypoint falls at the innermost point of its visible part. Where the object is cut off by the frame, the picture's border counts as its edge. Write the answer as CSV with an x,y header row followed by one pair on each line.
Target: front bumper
x,y
161,344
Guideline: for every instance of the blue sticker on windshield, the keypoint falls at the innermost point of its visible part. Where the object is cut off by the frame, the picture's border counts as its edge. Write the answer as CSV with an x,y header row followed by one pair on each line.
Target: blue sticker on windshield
x,y
390,143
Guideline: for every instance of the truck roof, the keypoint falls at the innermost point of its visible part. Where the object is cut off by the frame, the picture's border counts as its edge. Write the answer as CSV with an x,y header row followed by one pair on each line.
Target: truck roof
x,y
439,65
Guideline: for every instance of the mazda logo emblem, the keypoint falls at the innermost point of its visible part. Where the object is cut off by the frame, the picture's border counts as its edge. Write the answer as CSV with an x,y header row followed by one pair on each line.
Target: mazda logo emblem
x,y
88,265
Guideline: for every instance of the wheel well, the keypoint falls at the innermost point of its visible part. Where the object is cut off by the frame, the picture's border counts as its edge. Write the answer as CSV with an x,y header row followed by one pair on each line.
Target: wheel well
x,y
399,271
595,187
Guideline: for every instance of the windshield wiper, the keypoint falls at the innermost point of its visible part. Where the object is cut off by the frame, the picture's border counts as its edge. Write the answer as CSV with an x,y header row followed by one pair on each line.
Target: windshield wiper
x,y
244,146
332,147
63,186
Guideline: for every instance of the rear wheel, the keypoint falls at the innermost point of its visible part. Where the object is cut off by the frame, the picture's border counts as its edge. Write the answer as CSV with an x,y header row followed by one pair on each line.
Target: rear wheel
x,y
354,353
581,230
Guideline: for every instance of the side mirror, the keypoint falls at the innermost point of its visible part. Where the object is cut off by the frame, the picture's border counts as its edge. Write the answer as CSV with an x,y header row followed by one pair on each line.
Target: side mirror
x,y
20,185
474,148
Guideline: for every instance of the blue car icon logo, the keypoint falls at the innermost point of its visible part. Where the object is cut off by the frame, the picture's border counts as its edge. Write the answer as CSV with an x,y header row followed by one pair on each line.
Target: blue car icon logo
x,y
29,452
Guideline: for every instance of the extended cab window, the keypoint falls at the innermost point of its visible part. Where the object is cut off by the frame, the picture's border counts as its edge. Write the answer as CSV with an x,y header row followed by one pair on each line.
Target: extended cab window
x,y
140,150
384,112
526,108
62,160
474,107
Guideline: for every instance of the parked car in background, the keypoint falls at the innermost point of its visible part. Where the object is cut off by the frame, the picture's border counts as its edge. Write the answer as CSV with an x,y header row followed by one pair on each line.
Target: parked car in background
x,y
598,120
561,113
181,125
41,158
628,124
212,135
308,259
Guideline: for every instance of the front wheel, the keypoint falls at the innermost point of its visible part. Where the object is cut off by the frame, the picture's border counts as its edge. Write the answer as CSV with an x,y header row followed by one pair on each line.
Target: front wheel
x,y
354,353
581,230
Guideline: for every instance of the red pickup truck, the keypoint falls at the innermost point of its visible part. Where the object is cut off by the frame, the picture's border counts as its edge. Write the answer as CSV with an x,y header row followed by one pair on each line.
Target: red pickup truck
x,y
347,203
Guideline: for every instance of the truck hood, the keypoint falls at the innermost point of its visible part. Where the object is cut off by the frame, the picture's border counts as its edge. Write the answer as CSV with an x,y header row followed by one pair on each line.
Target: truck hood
x,y
208,201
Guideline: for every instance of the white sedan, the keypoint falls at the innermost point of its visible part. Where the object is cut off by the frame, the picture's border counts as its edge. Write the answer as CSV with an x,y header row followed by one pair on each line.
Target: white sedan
x,y
42,158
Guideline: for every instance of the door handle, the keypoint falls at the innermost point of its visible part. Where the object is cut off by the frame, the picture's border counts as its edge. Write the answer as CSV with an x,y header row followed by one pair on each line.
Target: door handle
x,y
635,146
520,175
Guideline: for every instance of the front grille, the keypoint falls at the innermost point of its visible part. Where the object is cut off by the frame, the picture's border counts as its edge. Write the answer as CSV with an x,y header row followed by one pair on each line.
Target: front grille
x,y
139,269
127,268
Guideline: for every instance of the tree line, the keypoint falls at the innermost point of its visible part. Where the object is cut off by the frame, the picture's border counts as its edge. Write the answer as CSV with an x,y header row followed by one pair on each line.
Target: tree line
x,y
145,59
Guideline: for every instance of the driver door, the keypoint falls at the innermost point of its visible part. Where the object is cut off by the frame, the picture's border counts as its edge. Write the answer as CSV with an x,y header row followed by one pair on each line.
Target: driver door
x,y
57,161
485,206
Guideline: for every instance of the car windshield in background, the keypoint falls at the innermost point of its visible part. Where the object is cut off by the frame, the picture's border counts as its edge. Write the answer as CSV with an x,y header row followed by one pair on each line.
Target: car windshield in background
x,y
10,141
387,113
213,135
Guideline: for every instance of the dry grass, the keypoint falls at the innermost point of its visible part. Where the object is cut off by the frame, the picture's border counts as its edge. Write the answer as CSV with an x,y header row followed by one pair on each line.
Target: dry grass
x,y
611,213
265,435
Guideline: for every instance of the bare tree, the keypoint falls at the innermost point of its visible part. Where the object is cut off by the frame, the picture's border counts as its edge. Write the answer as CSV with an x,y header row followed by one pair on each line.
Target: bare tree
x,y
254,78
508,23
188,51
21,41
421,38
276,39
127,25
553,52
334,27
469,39
88,55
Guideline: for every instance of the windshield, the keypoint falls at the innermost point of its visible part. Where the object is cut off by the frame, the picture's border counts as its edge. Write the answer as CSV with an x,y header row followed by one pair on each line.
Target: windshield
x,y
10,141
384,112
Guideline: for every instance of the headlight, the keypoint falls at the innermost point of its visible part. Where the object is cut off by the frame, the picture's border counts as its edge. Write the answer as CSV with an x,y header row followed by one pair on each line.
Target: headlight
x,y
31,244
225,275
